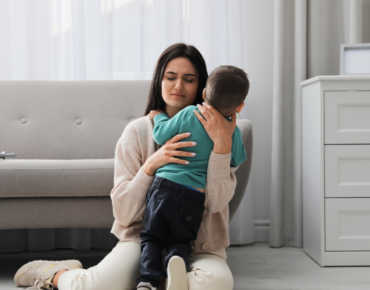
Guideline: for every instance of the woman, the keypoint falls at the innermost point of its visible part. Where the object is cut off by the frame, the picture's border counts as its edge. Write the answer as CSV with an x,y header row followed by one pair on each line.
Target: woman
x,y
178,81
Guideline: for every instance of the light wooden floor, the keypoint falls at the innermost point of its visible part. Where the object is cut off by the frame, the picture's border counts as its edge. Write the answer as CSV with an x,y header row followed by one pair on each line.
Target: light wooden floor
x,y
255,266
260,267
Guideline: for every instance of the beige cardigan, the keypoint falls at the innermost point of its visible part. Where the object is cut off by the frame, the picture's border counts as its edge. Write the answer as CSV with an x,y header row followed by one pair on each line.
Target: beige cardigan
x,y
131,184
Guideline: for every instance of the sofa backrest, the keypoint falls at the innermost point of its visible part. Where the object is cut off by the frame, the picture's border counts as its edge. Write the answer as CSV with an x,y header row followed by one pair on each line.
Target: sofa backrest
x,y
67,119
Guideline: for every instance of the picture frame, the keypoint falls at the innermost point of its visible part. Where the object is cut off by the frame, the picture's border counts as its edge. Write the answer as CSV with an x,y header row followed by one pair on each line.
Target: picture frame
x,y
355,59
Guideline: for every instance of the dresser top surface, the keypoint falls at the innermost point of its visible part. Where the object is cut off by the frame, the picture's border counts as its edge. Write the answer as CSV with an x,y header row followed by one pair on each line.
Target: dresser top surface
x,y
335,78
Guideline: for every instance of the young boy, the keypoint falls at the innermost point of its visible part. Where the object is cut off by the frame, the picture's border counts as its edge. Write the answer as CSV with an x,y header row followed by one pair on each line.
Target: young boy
x,y
175,201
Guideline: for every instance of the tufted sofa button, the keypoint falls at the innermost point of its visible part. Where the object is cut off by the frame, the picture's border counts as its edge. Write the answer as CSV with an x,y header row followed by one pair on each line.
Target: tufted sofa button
x,y
132,119
205,246
78,121
189,218
23,121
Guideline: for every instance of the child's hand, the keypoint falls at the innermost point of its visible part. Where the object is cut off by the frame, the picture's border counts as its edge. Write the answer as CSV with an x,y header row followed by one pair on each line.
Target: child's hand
x,y
154,113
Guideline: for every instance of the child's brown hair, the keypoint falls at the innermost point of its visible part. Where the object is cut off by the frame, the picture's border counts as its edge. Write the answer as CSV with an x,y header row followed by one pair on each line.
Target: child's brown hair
x,y
227,87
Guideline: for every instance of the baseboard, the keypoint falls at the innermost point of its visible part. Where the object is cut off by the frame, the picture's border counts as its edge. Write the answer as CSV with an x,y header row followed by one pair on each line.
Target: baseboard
x,y
262,230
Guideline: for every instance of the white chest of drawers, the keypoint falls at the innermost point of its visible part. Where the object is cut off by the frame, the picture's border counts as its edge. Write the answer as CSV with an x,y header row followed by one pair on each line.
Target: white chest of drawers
x,y
336,169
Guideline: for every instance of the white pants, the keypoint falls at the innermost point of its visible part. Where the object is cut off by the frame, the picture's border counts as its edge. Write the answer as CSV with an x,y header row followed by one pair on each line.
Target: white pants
x,y
120,268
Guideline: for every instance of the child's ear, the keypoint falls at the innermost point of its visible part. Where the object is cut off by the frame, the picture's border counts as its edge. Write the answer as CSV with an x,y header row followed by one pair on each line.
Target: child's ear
x,y
204,93
239,108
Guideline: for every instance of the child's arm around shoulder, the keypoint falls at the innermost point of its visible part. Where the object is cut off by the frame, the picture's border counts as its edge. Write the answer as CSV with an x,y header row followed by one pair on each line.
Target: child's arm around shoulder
x,y
238,154
164,127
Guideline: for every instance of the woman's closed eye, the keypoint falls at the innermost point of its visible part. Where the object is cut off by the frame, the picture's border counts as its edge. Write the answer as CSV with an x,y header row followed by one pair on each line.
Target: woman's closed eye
x,y
171,79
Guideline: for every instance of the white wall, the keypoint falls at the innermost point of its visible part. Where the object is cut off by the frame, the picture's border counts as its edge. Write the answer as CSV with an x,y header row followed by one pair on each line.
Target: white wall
x,y
258,64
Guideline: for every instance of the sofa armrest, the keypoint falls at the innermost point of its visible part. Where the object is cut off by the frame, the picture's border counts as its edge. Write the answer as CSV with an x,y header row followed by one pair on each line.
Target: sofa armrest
x,y
243,172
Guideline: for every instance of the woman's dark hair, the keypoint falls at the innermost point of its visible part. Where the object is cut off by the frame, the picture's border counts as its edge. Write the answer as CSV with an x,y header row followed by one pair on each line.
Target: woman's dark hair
x,y
155,100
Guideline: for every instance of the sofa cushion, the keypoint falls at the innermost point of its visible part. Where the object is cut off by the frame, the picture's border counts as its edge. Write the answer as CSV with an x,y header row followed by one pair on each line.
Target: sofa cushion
x,y
51,178
61,119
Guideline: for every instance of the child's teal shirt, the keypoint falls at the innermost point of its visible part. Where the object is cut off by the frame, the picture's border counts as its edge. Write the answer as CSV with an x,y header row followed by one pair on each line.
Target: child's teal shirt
x,y
193,174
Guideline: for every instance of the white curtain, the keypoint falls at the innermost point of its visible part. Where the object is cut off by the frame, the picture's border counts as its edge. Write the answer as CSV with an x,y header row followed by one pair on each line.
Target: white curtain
x,y
120,40
112,39
286,226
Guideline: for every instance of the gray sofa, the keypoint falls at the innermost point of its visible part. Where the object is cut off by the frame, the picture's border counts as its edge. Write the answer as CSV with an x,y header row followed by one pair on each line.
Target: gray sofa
x,y
65,133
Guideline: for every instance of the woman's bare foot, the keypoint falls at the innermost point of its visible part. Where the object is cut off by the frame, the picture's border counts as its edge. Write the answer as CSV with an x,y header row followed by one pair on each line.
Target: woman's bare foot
x,y
56,278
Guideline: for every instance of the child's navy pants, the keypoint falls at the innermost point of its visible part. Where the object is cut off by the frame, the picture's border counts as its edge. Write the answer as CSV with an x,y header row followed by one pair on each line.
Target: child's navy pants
x,y
172,219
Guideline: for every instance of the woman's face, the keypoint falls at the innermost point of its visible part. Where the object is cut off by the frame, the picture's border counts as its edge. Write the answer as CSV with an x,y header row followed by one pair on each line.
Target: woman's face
x,y
179,85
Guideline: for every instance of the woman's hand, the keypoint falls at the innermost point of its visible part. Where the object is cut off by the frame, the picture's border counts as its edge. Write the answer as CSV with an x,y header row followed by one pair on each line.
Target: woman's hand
x,y
154,113
166,154
218,128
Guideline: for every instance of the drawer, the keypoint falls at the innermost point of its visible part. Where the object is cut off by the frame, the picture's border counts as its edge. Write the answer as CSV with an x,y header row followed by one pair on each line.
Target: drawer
x,y
347,170
347,222
347,117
